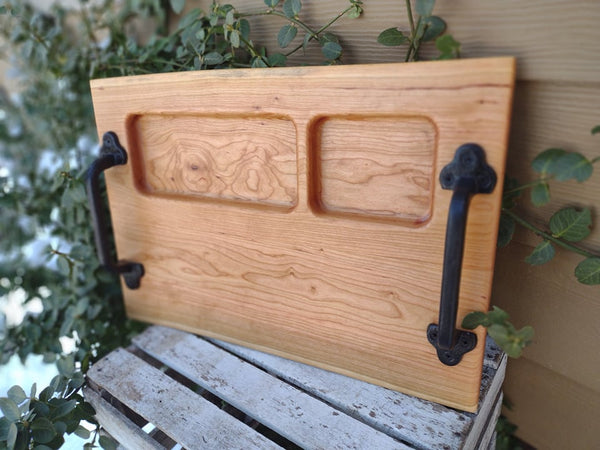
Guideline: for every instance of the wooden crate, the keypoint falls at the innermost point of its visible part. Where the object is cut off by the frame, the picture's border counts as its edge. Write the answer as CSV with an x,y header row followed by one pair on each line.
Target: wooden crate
x,y
172,387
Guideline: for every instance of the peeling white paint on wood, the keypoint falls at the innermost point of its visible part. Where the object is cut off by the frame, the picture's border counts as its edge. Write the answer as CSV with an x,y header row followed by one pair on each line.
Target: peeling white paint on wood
x,y
181,414
314,408
297,416
421,423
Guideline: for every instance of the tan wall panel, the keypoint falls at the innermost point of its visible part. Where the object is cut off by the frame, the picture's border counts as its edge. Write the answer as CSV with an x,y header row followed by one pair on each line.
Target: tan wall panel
x,y
528,30
552,412
564,313
559,115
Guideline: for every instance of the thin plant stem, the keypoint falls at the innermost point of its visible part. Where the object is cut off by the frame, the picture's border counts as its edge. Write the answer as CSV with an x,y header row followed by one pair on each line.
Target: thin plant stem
x,y
527,185
320,30
545,235
410,17
273,12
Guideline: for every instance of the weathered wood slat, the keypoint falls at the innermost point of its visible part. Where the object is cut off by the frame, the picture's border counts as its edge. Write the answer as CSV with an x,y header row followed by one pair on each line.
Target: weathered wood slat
x,y
180,413
489,435
419,422
118,425
302,419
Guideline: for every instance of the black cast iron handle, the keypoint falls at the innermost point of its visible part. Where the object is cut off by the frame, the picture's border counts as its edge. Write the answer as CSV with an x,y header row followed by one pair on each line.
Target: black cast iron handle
x,y
468,174
111,154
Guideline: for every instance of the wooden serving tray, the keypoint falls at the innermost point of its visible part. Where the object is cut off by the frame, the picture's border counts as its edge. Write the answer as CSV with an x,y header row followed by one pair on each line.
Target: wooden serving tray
x,y
298,210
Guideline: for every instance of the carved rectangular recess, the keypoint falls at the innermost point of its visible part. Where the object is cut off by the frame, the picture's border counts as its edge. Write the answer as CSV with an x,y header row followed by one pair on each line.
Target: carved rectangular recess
x,y
231,158
375,166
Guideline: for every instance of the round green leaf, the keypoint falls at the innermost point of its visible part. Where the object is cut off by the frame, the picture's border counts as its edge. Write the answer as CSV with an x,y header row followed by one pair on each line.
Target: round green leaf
x,y
596,129
271,3
540,194
545,162
17,394
107,443
499,333
391,37
213,59
43,431
331,50
286,34
497,315
570,224
449,48
573,166
424,8
474,319
10,409
4,426
277,60
434,26
64,409
82,432
355,12
526,334
244,28
177,5
506,230
230,17
541,254
60,428
291,8
11,437
41,409
234,38
588,271
513,348
258,63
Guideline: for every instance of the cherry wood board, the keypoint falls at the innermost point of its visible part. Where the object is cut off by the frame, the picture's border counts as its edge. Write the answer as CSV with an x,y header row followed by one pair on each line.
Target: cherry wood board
x,y
298,210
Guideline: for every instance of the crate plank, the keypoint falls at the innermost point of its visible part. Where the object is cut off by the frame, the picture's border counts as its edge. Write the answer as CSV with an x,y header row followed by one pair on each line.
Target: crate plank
x,y
420,423
180,413
299,417
117,424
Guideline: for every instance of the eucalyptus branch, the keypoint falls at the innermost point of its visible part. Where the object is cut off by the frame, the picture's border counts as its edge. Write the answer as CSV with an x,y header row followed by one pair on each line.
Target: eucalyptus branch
x,y
527,185
320,30
274,12
546,235
410,17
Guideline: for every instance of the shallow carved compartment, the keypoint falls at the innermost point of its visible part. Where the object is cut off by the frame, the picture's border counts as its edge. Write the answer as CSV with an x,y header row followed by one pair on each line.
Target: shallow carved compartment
x,y
374,166
228,158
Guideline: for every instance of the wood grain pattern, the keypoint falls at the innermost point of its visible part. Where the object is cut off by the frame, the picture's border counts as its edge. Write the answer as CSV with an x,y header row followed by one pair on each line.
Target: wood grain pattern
x,y
353,296
251,159
381,166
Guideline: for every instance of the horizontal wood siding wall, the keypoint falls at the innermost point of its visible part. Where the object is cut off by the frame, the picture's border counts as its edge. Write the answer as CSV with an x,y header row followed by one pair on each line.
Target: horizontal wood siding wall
x,y
555,387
